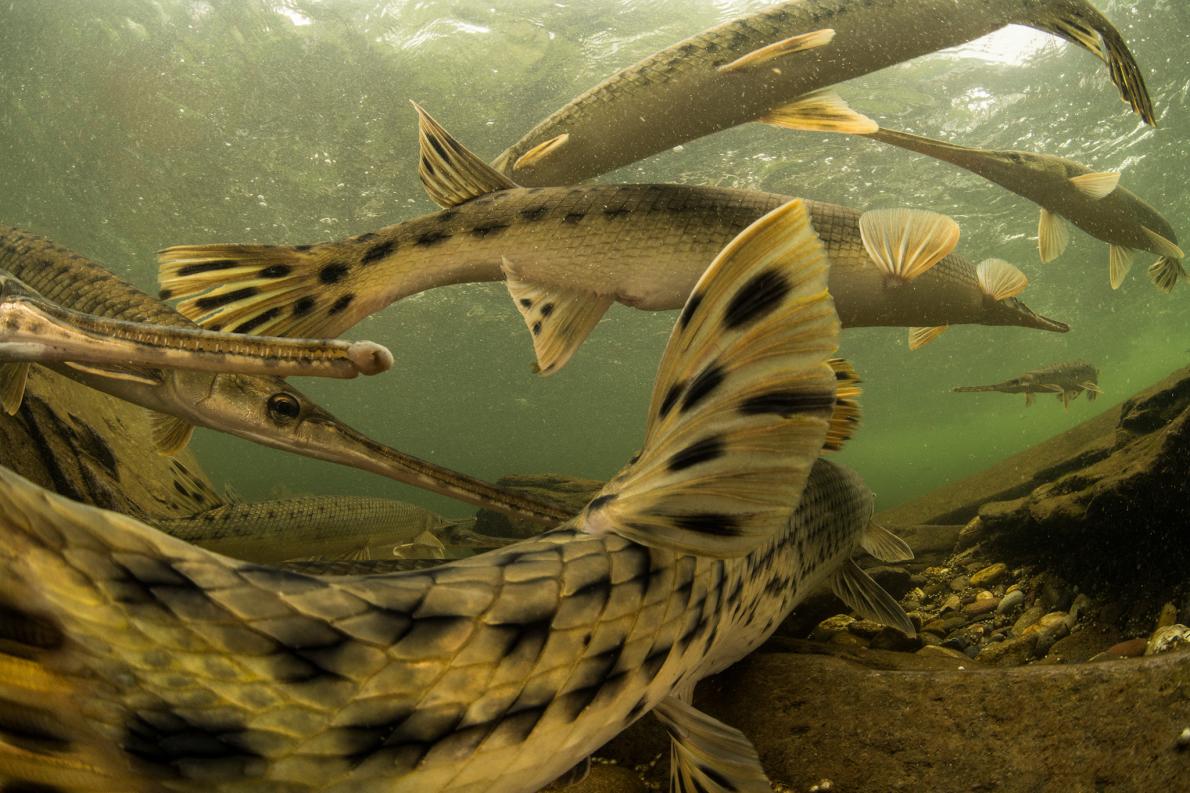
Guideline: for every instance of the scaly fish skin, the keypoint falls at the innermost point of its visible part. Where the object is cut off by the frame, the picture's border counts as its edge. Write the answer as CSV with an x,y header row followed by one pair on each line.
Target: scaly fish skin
x,y
645,244
494,674
308,526
264,409
678,94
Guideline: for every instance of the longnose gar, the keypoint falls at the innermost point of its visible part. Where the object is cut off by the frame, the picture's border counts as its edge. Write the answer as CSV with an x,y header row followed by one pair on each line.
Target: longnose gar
x,y
35,330
1067,380
310,526
259,408
567,253
761,67
1093,201
138,662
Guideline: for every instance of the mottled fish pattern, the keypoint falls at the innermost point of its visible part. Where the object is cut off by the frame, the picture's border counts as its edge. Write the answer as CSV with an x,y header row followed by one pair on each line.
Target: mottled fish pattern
x,y
1067,380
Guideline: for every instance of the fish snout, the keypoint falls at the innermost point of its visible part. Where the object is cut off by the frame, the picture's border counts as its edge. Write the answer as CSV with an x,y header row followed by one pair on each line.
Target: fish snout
x,y
1015,312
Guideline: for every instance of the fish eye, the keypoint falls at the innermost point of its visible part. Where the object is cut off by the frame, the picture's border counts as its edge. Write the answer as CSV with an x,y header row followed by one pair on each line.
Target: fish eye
x,y
284,408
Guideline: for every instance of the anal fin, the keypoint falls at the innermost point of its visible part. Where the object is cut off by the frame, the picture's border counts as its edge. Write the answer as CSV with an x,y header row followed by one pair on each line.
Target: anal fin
x,y
1161,245
170,434
558,318
1052,235
706,754
920,337
864,596
1096,185
12,386
779,49
1119,262
820,111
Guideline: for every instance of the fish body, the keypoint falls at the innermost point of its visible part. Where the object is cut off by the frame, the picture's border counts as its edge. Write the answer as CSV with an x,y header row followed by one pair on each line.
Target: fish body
x,y
680,93
311,526
1067,380
164,666
264,409
644,246
1119,217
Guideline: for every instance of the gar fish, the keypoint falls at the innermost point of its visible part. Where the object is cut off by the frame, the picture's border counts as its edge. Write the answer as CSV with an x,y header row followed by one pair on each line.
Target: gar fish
x,y
309,526
259,408
1093,201
767,67
35,330
566,253
134,661
1067,380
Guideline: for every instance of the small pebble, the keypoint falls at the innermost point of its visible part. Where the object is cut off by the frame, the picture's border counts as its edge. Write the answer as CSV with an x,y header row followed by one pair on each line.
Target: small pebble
x,y
1029,617
1183,741
822,786
989,575
1168,616
865,628
981,606
1171,637
952,603
1012,599
830,626
960,583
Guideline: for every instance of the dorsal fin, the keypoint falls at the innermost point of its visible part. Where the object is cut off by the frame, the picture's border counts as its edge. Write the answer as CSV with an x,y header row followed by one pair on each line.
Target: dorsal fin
x,y
742,402
999,279
451,173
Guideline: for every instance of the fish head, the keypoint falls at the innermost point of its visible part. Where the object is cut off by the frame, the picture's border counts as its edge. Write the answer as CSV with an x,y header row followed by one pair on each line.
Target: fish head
x,y
1011,167
1012,311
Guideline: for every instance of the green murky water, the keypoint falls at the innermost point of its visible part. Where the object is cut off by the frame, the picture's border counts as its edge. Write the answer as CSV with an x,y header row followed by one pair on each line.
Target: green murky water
x,y
129,125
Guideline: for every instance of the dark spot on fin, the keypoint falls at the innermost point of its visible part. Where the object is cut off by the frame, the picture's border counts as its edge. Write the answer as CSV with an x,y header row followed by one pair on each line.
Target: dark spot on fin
x,y
207,267
756,299
303,306
249,325
702,451
703,386
217,301
688,310
379,251
332,273
341,304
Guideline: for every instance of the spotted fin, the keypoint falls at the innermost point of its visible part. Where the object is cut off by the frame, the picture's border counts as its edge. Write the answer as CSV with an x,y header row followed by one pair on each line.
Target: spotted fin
x,y
1052,235
846,415
12,386
820,111
170,434
706,754
541,151
268,290
920,337
866,598
1165,272
1000,280
905,243
881,543
450,172
742,402
116,372
1096,185
769,53
1119,262
559,319
1162,246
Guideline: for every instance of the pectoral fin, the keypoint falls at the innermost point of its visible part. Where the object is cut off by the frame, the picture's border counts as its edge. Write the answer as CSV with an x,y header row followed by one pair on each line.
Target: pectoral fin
x,y
170,434
884,545
1119,262
541,151
865,597
742,402
1165,272
800,43
560,319
999,280
905,243
1163,246
1029,399
449,171
705,754
1052,235
113,372
920,337
1096,185
12,386
820,111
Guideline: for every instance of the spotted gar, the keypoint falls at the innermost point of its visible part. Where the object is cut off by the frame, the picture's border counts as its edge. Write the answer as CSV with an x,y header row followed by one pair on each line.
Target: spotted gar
x,y
1093,201
762,66
263,409
134,661
309,526
576,250
1067,380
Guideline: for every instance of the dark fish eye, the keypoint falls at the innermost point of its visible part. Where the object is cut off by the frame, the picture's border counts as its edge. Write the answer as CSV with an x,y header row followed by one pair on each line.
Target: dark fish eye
x,y
284,408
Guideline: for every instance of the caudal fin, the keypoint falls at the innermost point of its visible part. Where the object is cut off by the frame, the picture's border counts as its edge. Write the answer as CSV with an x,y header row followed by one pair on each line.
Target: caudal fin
x,y
1081,23
743,400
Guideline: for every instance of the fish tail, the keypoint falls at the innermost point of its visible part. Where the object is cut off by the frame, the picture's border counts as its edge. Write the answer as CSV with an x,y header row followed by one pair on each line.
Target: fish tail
x,y
1080,22
273,290
1166,272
